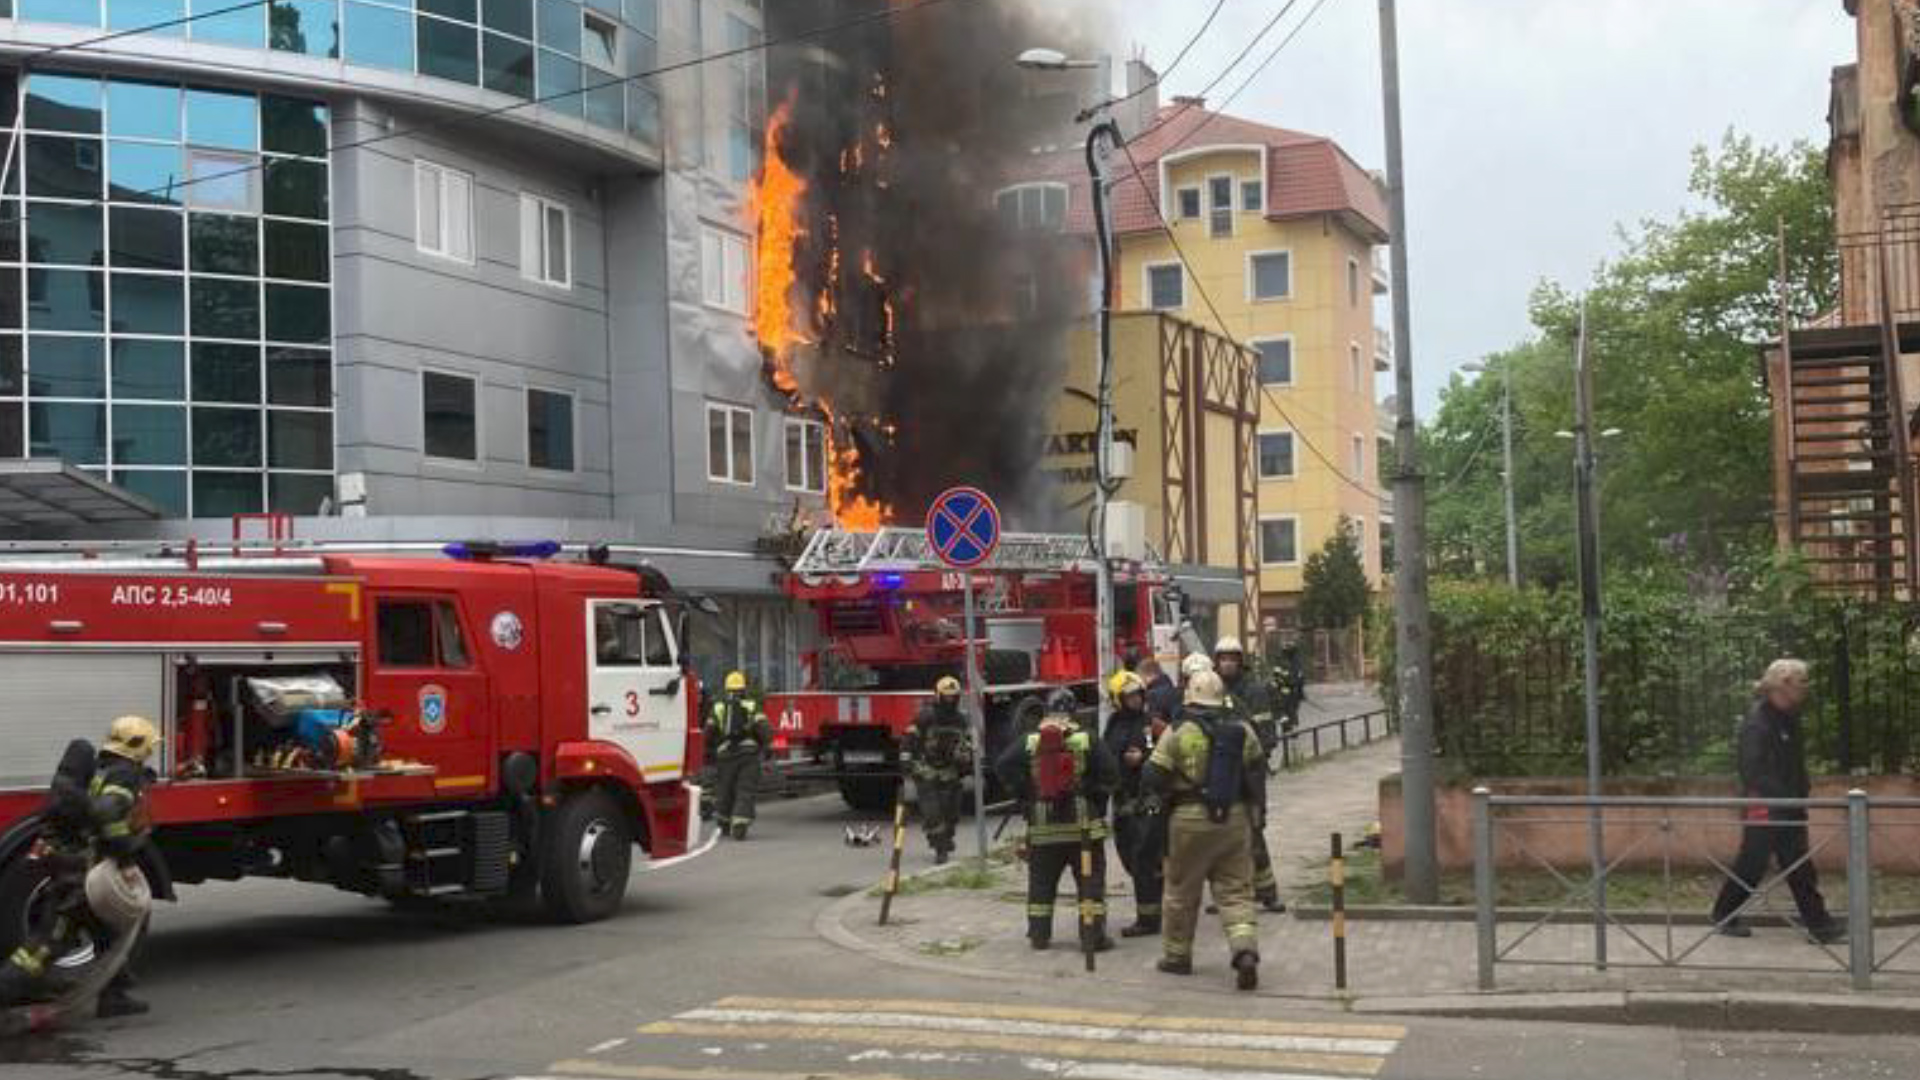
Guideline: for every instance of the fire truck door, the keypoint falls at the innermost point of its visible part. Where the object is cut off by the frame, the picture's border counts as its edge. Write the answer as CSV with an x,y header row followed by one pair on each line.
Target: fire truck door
x,y
426,672
636,696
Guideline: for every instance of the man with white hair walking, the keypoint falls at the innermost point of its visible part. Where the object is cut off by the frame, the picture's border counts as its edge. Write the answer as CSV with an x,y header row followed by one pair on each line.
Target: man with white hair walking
x,y
1773,765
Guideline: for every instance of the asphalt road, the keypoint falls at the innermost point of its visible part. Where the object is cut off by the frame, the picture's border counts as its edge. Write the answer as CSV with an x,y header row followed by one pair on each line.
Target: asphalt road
x,y
713,972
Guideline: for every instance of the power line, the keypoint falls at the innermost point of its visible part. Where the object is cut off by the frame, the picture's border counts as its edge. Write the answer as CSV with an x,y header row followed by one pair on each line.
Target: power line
x,y
1182,55
1252,75
1251,45
829,29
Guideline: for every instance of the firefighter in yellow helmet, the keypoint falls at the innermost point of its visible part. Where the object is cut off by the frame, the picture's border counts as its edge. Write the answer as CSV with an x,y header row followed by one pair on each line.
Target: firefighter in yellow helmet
x,y
939,751
1062,774
737,736
1139,827
96,810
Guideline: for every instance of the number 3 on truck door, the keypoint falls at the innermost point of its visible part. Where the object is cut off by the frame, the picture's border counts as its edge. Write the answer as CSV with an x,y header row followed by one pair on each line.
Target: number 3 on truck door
x,y
636,697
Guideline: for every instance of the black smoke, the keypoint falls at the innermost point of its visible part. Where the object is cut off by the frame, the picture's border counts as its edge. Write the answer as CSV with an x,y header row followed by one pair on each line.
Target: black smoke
x,y
904,130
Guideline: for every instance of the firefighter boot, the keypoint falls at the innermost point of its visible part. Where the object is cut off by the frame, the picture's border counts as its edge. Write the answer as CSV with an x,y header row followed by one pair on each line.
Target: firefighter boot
x,y
1144,926
17,983
739,830
1246,970
115,1001
1175,965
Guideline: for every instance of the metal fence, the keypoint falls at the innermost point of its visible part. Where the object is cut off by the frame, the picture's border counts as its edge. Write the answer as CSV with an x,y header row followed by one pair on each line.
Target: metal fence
x,y
1662,840
1672,693
1302,745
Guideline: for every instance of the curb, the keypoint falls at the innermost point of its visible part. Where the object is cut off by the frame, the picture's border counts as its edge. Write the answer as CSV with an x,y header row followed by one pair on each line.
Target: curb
x,y
1448,913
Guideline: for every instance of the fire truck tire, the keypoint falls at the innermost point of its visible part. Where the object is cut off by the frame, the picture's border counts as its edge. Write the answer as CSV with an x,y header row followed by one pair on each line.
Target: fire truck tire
x,y
869,794
588,854
22,883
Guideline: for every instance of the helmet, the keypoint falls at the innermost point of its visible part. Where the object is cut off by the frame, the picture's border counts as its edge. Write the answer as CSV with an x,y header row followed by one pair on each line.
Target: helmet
x,y
133,738
1062,703
1194,664
948,686
736,680
1124,683
1205,688
1229,644
119,895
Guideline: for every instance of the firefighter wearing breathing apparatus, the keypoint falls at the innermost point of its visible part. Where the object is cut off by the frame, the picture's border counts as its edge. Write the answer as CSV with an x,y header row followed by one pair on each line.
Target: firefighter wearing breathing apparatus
x,y
939,748
1062,776
1249,702
96,822
737,735
1139,826
1201,769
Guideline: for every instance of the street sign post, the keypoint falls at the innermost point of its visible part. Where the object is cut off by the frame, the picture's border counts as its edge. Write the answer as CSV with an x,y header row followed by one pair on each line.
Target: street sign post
x,y
963,527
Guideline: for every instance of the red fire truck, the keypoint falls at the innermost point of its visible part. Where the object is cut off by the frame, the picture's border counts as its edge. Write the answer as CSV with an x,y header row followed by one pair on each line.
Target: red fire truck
x,y
496,723
891,620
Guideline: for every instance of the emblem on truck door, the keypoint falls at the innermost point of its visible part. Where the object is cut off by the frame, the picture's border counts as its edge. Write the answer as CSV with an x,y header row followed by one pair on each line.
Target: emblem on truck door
x,y
433,708
507,631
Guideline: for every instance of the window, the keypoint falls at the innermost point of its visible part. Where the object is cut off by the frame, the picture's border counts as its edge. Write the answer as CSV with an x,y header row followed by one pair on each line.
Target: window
x,y
1253,196
420,634
1360,539
546,241
746,99
443,211
1276,455
1189,201
1219,206
1354,367
450,416
1359,458
806,456
1353,283
1279,541
729,444
723,269
599,40
1166,287
1276,361
628,635
1034,207
549,430
1269,275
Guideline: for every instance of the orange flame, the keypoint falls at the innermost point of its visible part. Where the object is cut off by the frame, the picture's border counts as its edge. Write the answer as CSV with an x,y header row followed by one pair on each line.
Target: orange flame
x,y
777,196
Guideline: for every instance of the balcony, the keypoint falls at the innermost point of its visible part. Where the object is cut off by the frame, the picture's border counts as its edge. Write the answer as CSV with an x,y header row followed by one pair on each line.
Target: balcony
x,y
1382,349
1382,274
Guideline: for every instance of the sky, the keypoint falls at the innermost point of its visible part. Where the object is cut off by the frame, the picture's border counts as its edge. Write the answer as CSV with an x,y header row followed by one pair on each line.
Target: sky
x,y
1534,129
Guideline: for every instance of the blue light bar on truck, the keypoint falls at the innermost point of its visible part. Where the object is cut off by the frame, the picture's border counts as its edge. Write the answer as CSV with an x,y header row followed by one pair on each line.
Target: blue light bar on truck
x,y
483,550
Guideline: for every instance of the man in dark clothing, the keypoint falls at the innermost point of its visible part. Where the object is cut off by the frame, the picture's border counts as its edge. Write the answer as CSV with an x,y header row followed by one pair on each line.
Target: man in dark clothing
x,y
1289,686
1773,765
737,736
1163,695
1139,825
939,751
1248,702
1062,776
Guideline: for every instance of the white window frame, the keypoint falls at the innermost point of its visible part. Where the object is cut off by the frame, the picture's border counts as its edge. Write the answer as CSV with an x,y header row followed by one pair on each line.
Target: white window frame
x,y
1356,364
1260,184
730,410
534,211
1259,463
573,427
1293,358
1252,296
1353,283
446,219
1360,538
1232,208
1199,200
1266,519
1359,448
479,419
820,465
588,17
714,244
1042,188
1146,284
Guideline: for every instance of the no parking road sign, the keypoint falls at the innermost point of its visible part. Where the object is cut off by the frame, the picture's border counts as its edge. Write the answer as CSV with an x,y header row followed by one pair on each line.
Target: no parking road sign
x,y
963,526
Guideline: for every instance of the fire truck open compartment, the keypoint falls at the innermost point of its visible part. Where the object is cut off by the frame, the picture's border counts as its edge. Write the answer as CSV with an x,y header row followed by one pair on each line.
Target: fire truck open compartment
x,y
217,729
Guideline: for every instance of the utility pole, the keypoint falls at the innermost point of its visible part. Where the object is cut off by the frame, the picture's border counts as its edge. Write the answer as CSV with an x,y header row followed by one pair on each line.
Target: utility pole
x,y
1412,625
1101,142
1589,548
1506,450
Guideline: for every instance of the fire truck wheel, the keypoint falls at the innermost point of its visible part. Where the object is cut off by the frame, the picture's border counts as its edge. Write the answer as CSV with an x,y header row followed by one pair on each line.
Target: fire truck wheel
x,y
589,852
20,882
869,794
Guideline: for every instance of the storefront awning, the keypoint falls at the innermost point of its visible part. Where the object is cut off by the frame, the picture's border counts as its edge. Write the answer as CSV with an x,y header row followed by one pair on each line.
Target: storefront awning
x,y
53,495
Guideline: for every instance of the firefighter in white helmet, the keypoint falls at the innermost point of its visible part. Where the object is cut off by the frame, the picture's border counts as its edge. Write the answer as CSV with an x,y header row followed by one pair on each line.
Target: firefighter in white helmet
x,y
939,750
1249,701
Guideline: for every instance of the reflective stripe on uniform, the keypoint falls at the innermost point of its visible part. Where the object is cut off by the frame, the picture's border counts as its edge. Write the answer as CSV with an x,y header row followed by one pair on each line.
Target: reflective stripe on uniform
x,y
31,961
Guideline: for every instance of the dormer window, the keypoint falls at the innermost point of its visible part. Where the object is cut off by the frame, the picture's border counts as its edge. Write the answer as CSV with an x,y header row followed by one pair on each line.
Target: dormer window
x,y
1033,207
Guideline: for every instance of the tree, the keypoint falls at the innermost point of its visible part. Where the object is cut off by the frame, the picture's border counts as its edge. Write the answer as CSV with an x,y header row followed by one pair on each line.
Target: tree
x,y
1335,592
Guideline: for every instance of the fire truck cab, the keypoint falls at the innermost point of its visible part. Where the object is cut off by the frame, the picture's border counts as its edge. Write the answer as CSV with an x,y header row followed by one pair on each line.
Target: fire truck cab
x,y
484,726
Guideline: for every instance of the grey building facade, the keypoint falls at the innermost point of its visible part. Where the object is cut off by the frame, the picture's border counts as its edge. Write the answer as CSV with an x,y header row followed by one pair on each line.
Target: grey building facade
x,y
381,269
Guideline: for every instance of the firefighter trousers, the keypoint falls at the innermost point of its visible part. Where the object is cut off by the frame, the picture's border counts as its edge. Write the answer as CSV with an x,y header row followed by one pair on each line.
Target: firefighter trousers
x,y
1266,887
939,810
1141,840
61,917
737,784
1202,853
1045,863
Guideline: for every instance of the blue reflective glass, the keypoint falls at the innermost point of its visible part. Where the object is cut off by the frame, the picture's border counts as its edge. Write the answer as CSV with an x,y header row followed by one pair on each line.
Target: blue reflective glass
x,y
226,373
449,50
299,440
463,10
227,438
508,66
296,251
62,167
560,25
166,488
145,239
644,16
221,244
296,188
143,110
144,172
154,370
559,83
222,495
66,300
149,435
79,12
141,14
299,314
308,27
603,102
293,126
508,16
643,113
246,28
13,368
76,434
379,37
65,234
226,309
63,103
299,377
225,120
297,493
66,367
149,304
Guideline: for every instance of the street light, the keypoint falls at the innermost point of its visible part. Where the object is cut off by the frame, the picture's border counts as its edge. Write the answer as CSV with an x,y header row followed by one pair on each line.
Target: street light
x,y
1052,60
1506,450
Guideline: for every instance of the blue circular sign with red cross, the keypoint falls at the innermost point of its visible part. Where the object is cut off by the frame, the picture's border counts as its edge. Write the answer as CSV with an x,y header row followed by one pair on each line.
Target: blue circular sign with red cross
x,y
964,527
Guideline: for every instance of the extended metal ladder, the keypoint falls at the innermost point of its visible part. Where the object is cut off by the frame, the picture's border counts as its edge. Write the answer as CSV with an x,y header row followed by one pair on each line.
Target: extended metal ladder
x,y
894,549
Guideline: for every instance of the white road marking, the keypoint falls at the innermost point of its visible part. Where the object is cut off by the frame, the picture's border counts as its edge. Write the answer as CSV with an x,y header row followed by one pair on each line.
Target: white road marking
x,y
1090,1070
601,1048
1319,1044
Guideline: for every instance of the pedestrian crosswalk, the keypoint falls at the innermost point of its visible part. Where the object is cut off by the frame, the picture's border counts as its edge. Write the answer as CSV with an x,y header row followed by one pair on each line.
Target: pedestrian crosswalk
x,y
768,1038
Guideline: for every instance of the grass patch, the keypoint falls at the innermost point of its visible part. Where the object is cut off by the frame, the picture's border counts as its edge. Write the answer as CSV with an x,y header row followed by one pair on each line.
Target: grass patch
x,y
950,946
967,875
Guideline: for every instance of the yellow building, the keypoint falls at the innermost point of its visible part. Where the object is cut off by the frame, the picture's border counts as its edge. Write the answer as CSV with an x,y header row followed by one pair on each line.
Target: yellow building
x,y
1279,231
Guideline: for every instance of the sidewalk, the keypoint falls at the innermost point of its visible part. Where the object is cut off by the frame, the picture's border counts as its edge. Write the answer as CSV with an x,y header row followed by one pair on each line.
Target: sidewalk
x,y
1397,965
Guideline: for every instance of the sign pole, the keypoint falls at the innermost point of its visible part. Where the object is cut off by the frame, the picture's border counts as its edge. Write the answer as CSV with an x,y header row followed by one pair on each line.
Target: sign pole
x,y
979,731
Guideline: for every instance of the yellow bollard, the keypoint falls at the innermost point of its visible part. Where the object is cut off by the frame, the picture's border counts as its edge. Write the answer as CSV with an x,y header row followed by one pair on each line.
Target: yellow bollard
x,y
1337,877
899,845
